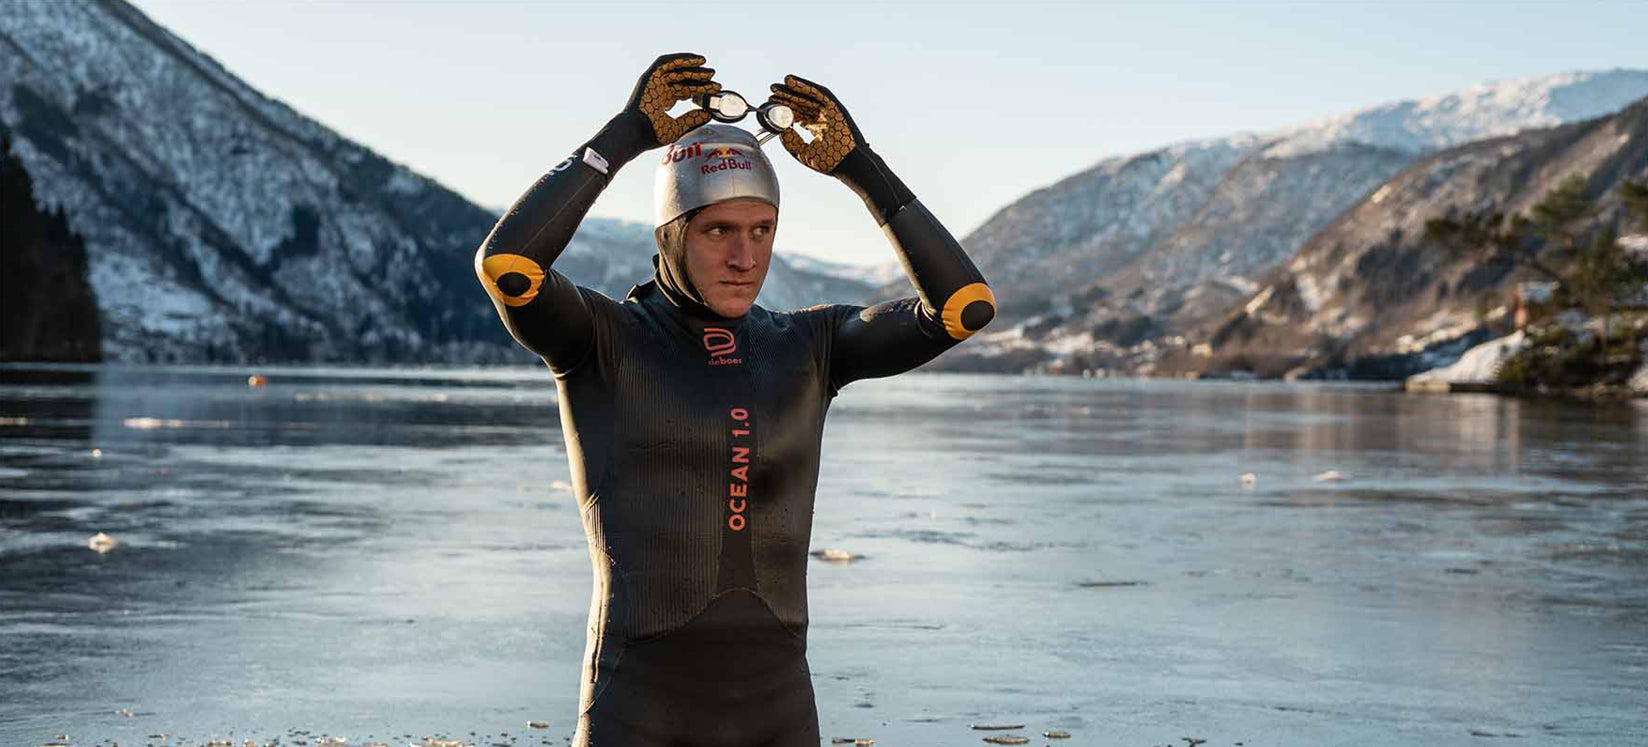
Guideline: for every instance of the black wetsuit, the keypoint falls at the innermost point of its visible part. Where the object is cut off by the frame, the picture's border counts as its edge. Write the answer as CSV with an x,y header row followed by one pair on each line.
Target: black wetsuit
x,y
694,445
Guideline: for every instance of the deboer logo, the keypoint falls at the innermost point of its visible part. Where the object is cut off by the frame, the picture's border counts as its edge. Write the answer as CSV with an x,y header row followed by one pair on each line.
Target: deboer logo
x,y
719,342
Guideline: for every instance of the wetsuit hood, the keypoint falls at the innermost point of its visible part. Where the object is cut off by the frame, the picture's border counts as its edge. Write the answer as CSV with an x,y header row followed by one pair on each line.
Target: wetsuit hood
x,y
669,271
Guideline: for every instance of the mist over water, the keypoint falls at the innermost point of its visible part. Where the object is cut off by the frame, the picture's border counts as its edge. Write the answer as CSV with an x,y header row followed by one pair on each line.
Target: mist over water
x,y
375,553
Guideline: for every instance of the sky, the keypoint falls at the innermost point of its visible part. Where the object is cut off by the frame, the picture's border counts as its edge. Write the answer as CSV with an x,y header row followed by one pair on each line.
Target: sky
x,y
973,104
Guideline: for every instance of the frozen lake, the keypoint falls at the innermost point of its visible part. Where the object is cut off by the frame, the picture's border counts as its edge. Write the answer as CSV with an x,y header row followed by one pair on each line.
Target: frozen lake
x,y
382,554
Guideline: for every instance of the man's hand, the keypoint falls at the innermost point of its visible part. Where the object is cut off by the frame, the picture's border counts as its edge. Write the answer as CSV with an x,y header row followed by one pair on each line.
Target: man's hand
x,y
838,148
671,78
820,113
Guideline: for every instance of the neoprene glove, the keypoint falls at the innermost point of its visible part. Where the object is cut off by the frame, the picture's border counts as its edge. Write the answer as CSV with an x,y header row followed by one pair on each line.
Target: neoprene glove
x,y
645,122
819,112
838,148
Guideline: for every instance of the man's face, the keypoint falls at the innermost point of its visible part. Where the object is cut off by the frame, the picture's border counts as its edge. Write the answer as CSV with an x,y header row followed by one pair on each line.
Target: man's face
x,y
729,246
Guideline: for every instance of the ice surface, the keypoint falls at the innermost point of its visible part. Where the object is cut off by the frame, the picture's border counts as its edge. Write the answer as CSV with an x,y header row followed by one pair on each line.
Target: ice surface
x,y
377,553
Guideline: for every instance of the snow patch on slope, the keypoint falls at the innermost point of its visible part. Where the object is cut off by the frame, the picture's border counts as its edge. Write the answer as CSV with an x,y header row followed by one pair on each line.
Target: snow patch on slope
x,y
1481,111
1479,364
873,274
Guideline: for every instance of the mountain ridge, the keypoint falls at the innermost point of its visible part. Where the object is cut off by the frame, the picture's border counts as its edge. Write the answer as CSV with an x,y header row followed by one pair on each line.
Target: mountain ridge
x,y
1412,306
224,225
1146,247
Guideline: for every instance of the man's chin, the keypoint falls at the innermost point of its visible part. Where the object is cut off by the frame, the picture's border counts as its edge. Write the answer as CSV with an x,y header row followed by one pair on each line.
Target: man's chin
x,y
732,311
732,308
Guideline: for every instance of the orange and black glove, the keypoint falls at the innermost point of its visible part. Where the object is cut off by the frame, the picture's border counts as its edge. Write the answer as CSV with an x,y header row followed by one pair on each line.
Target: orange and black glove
x,y
645,122
838,148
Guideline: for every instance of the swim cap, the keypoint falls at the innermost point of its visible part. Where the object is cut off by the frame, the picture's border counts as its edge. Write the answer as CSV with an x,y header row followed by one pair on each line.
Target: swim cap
x,y
711,164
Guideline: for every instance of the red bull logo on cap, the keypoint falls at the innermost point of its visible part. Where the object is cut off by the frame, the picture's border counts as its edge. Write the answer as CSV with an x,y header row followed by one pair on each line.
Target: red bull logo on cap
x,y
717,163
724,158
677,155
727,164
725,151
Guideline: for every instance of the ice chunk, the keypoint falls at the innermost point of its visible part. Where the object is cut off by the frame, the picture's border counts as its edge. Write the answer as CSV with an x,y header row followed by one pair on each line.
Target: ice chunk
x,y
102,543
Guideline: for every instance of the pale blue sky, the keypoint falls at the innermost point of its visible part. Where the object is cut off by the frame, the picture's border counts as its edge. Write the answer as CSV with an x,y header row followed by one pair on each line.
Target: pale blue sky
x,y
973,104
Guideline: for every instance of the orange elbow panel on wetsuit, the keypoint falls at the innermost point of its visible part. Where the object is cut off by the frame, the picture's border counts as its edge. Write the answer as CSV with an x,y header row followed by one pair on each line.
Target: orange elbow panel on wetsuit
x,y
957,301
544,311
511,279
946,280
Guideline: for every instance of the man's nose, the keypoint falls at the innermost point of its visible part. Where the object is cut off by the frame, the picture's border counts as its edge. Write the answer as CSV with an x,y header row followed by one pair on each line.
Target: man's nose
x,y
742,256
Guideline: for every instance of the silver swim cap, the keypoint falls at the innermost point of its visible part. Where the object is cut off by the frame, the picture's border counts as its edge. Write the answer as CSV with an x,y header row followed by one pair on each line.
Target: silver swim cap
x,y
712,164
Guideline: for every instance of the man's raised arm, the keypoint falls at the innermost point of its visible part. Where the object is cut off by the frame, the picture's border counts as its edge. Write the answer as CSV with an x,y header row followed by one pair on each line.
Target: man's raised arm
x,y
952,301
543,310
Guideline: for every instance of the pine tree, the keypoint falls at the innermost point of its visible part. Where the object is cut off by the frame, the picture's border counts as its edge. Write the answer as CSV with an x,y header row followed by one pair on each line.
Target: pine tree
x,y
1564,231
47,309
1634,195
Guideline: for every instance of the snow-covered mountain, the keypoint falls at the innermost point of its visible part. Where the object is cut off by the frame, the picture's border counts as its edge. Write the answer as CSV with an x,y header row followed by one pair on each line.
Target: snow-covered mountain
x,y
220,224
874,275
1369,297
1142,248
1476,113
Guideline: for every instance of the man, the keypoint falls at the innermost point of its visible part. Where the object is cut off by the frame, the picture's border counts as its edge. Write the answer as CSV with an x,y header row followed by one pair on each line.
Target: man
x,y
693,417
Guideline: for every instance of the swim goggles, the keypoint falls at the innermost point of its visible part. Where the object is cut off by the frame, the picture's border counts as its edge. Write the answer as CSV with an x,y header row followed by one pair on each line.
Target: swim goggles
x,y
730,107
